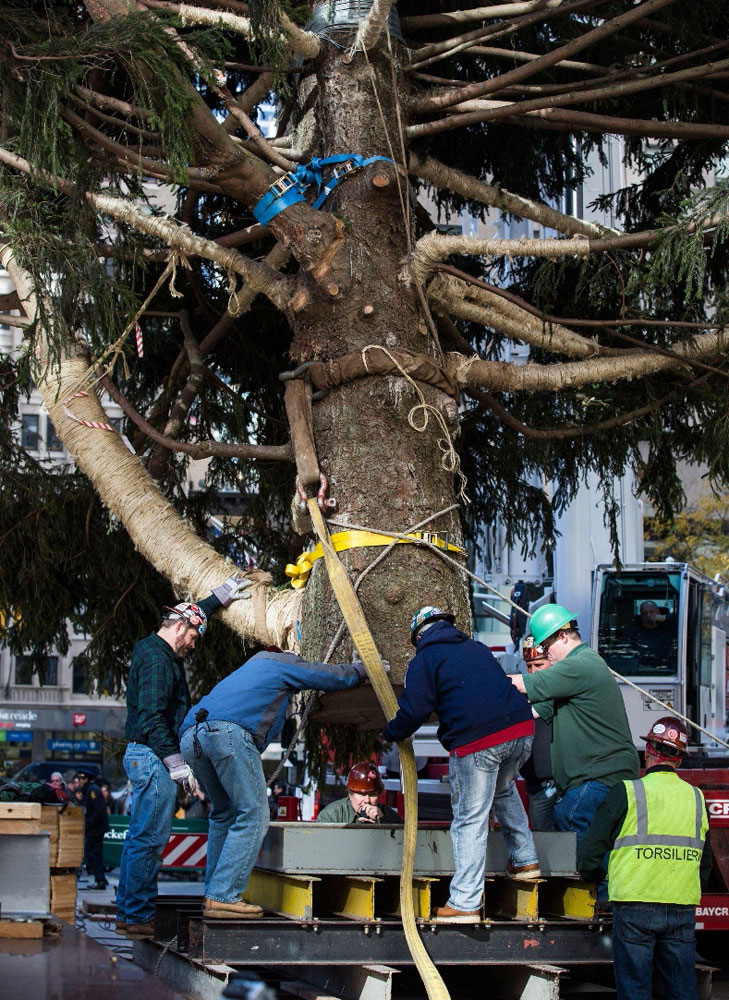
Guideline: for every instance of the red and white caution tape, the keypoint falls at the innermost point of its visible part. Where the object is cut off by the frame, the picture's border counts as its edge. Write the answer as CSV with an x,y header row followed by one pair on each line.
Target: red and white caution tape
x,y
140,345
95,424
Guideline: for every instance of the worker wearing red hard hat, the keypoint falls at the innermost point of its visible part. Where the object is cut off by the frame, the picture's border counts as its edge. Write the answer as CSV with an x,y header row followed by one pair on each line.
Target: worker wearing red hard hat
x,y
656,829
361,805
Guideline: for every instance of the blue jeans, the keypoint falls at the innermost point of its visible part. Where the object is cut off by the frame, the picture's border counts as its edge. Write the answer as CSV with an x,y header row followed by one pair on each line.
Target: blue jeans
x,y
231,775
577,807
153,808
541,807
648,936
478,782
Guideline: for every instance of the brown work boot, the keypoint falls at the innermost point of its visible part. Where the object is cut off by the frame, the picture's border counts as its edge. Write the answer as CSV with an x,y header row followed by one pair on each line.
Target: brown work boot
x,y
120,926
447,915
231,911
139,932
523,871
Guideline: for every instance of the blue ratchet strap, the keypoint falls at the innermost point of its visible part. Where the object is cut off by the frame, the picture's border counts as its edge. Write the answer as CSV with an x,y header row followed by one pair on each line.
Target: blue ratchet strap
x,y
288,190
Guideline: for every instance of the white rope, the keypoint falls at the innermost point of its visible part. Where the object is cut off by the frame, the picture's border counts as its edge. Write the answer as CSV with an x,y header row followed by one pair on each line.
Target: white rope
x,y
442,555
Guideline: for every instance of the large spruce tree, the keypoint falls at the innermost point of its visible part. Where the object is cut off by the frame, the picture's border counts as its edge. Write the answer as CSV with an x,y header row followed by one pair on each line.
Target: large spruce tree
x,y
415,411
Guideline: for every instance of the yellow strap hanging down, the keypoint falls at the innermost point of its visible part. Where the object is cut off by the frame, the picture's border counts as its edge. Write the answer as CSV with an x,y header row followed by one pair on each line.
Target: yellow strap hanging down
x,y
362,638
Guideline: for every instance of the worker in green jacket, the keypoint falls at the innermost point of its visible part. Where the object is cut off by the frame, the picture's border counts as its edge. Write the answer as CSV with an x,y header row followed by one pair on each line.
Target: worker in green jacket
x,y
592,748
656,831
364,787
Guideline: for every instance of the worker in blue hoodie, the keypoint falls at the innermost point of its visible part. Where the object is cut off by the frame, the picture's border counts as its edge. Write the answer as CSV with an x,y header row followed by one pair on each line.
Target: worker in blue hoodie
x,y
487,727
222,738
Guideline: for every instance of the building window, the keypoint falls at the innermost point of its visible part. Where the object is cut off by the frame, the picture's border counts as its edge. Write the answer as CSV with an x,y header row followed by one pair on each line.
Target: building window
x,y
29,435
79,683
25,669
53,442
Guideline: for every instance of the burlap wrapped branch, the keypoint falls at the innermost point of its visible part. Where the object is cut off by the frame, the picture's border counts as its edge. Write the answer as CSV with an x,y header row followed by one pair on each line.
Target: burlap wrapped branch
x,y
421,367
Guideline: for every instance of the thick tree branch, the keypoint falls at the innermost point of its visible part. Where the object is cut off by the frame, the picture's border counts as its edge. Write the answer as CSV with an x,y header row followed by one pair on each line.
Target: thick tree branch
x,y
560,433
156,529
372,24
420,22
435,247
619,89
470,187
499,376
201,449
508,317
607,28
301,42
442,50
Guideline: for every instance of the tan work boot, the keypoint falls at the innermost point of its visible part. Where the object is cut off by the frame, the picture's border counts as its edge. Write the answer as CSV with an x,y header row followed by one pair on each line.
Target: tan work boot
x,y
231,911
138,932
523,872
448,915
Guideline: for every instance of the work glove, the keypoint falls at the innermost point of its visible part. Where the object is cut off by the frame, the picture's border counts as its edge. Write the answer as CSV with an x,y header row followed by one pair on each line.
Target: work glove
x,y
362,669
180,772
232,590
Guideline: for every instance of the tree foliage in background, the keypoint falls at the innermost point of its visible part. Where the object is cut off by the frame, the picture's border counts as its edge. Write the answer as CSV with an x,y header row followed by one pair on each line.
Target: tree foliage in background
x,y
699,535
129,166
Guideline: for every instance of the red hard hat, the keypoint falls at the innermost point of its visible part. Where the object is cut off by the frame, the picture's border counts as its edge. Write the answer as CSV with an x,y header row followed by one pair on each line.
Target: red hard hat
x,y
670,732
364,778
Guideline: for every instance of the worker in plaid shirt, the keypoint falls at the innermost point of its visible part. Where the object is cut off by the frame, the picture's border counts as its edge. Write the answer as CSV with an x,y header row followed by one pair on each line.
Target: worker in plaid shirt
x,y
157,701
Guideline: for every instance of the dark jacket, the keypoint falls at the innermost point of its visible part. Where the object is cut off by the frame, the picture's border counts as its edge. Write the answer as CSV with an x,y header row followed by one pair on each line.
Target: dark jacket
x,y
538,768
459,680
96,818
157,694
256,695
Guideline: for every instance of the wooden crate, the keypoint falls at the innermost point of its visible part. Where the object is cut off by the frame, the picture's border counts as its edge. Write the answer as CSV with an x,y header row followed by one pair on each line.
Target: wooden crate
x,y
66,827
63,895
20,817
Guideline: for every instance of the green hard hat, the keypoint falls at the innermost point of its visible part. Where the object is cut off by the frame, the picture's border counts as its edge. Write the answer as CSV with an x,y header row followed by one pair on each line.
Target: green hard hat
x,y
548,619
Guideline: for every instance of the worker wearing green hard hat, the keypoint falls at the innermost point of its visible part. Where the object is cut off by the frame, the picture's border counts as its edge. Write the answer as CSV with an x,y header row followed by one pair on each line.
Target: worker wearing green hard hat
x,y
592,748
548,619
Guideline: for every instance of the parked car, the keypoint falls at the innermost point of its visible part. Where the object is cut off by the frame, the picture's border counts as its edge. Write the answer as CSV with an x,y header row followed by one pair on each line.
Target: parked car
x,y
41,770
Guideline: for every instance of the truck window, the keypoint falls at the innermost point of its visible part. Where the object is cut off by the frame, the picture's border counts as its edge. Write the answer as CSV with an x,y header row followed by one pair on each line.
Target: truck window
x,y
638,623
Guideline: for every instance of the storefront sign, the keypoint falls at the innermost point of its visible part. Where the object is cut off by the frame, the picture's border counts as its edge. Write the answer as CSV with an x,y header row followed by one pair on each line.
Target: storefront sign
x,y
17,718
79,718
15,737
74,746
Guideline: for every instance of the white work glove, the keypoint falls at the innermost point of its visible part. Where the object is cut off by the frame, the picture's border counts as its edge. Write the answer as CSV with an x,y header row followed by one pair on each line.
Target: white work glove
x,y
180,772
231,590
362,669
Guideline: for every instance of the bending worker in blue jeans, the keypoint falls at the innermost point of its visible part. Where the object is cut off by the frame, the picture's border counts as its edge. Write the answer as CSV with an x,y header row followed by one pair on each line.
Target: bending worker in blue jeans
x,y
222,739
592,748
656,831
487,727
157,701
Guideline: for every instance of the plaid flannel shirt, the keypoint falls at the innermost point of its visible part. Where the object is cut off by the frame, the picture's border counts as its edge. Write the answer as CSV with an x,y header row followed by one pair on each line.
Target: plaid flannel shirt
x,y
158,697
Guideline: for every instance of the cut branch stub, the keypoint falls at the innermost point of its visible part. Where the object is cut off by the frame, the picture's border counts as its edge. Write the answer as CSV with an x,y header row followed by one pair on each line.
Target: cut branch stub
x,y
297,399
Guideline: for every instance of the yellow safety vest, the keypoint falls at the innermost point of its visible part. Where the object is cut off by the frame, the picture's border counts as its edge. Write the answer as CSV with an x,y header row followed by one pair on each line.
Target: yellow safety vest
x,y
657,853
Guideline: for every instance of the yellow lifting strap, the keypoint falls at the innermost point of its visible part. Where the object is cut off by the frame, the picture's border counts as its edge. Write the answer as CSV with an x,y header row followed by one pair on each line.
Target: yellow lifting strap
x,y
298,572
365,644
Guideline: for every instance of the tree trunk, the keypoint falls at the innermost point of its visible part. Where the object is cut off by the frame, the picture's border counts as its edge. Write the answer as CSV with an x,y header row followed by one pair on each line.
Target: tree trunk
x,y
384,474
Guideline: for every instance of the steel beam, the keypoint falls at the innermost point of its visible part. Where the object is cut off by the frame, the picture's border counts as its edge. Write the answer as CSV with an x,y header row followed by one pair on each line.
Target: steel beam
x,y
512,898
365,982
569,898
325,849
351,896
289,895
345,942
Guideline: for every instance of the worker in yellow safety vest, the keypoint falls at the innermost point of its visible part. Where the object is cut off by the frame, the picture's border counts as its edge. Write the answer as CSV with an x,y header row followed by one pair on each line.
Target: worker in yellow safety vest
x,y
655,828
